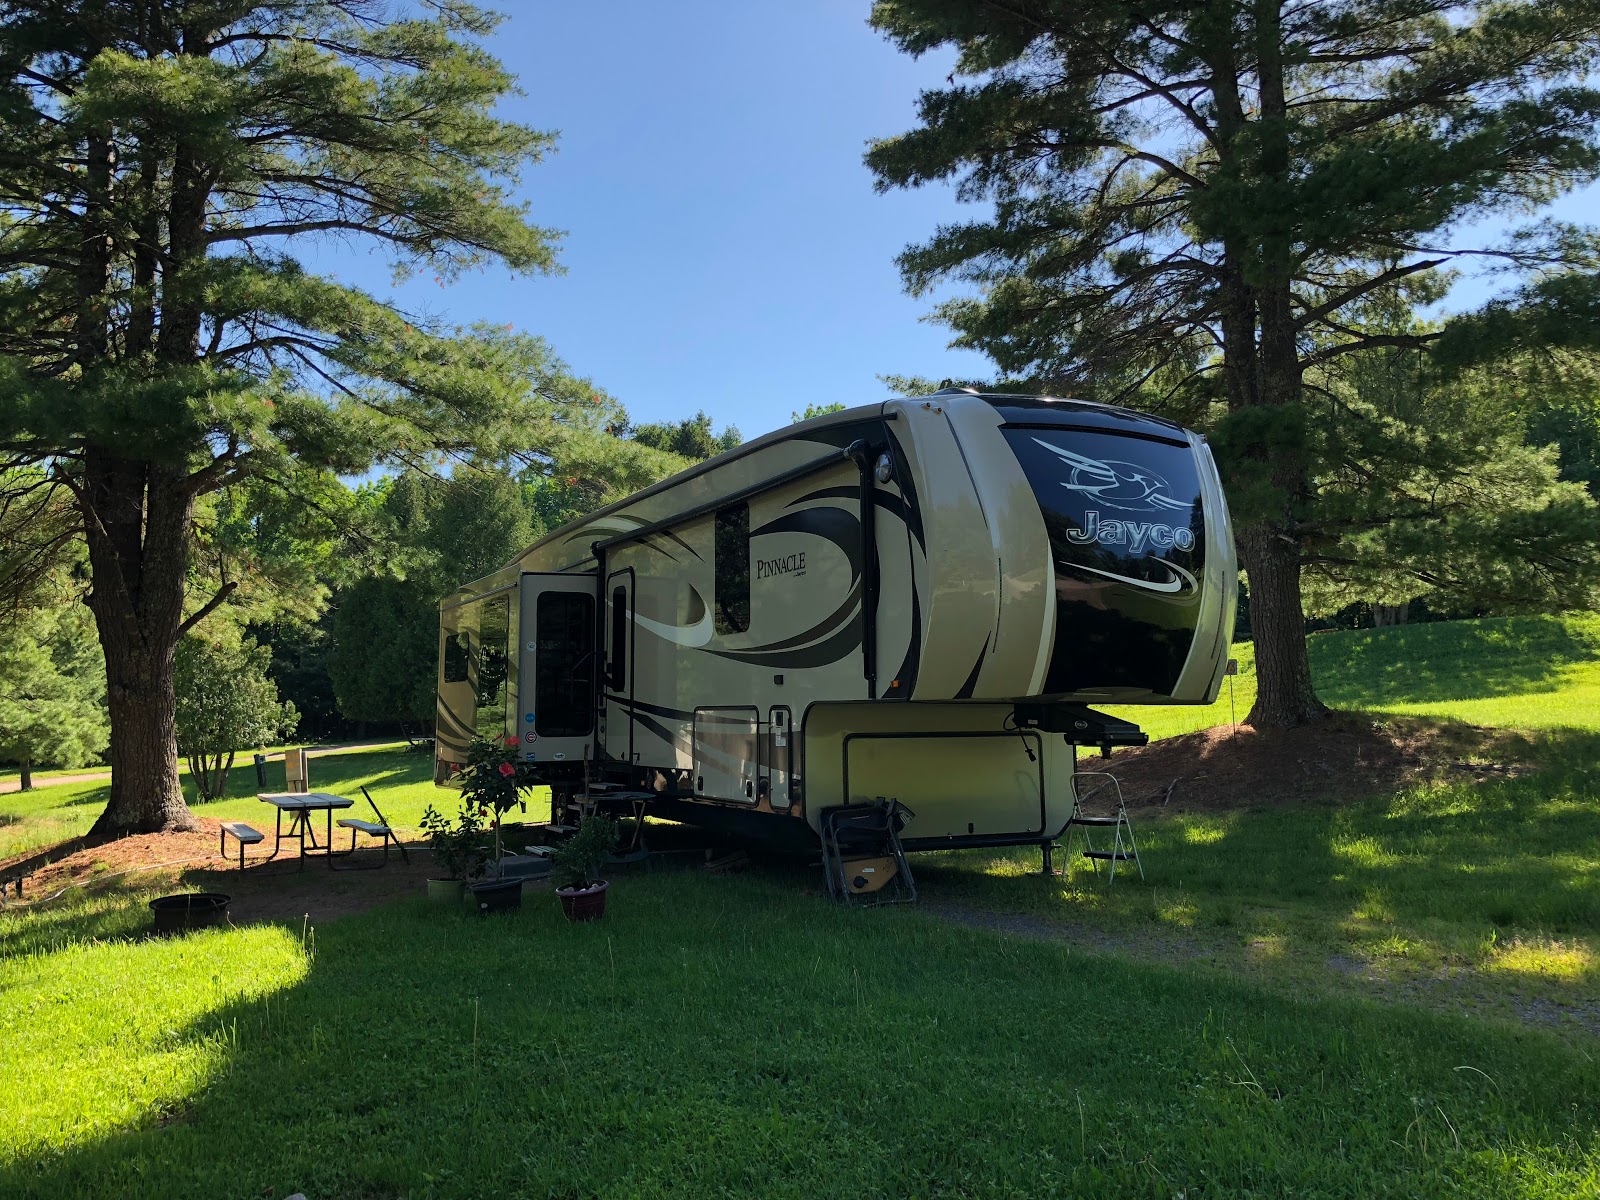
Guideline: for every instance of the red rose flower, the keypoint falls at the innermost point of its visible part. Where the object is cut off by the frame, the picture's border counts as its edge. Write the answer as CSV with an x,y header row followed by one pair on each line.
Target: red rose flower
x,y
511,741
507,770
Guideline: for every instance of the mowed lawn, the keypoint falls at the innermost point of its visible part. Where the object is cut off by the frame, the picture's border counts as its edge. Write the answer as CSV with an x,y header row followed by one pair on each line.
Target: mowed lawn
x,y
1399,996
400,780
1515,672
739,1037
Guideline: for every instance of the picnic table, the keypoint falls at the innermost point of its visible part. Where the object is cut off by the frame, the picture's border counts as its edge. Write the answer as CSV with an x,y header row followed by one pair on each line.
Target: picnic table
x,y
300,806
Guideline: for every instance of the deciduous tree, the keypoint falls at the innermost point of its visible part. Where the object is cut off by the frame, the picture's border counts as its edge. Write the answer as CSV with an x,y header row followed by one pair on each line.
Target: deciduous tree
x,y
225,703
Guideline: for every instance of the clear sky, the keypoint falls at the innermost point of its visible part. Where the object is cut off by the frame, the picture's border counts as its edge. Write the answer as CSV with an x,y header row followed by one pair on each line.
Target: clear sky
x,y
724,248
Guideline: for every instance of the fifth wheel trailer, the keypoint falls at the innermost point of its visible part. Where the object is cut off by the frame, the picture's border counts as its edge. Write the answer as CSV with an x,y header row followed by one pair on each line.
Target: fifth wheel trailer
x,y
909,599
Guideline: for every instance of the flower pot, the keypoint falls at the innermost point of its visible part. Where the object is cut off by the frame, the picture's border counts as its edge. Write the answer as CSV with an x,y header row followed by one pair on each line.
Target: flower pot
x,y
496,895
444,891
190,910
584,904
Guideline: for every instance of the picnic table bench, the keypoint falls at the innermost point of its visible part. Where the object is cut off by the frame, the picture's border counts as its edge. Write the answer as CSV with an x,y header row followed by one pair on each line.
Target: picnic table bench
x,y
242,834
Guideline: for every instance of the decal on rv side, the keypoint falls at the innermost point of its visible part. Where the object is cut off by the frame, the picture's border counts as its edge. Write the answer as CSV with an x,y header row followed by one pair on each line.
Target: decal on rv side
x,y
790,564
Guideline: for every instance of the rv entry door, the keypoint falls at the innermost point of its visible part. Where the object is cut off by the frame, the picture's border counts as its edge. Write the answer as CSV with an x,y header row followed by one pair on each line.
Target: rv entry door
x,y
558,665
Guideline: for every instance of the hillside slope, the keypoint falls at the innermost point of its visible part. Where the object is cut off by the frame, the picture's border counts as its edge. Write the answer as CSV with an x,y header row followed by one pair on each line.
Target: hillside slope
x,y
1519,672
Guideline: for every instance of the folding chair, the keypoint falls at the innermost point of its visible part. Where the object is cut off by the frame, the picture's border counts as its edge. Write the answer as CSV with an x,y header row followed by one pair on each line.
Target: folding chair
x,y
378,829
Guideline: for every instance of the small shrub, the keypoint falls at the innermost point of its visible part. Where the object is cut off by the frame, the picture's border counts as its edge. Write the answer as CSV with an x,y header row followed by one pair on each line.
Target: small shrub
x,y
576,863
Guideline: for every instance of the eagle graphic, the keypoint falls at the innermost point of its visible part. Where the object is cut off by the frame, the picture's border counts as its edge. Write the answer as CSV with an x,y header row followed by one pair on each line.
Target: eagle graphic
x,y
1123,485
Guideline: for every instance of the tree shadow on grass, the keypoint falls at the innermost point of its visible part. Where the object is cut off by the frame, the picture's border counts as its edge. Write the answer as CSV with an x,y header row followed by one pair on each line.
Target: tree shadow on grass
x,y
96,797
733,1033
1440,875
1456,660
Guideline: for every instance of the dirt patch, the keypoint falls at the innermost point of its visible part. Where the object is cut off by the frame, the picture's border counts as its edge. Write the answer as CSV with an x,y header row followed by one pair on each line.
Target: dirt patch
x,y
267,889
1348,756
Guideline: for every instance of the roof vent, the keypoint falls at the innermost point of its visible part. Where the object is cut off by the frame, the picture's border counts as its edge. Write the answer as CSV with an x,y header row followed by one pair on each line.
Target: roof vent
x,y
947,389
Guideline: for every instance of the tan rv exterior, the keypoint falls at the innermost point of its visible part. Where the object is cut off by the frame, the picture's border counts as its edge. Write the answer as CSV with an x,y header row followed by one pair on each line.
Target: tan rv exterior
x,y
855,607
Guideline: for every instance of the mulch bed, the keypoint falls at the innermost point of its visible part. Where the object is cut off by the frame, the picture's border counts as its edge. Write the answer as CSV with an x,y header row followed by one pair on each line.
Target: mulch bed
x,y
1348,756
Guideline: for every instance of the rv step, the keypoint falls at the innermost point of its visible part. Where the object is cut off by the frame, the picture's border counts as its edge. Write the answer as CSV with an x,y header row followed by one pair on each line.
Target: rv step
x,y
1116,855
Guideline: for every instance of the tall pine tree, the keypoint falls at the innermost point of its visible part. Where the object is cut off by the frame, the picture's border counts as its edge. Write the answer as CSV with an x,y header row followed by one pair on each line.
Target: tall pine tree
x,y
168,168
1191,200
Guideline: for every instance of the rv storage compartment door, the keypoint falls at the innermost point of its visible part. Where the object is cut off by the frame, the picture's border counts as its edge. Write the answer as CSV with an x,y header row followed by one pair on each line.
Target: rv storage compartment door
x,y
557,697
960,785
725,753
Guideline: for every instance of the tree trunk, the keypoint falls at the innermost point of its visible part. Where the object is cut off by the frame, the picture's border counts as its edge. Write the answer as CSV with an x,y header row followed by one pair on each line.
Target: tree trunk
x,y
145,794
26,775
1284,692
137,518
1270,544
1391,614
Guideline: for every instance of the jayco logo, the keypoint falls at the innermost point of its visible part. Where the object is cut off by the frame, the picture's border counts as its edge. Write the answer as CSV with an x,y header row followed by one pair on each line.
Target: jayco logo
x,y
792,564
1138,536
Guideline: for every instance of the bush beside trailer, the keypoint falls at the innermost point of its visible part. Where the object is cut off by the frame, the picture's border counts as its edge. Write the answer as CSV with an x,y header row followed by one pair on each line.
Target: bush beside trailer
x,y
916,599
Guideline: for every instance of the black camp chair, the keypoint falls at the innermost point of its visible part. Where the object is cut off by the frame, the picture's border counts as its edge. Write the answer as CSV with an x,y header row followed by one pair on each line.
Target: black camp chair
x,y
379,829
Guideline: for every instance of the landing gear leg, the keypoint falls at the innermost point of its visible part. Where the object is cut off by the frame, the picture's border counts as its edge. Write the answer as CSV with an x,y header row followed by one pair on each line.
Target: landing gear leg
x,y
1049,862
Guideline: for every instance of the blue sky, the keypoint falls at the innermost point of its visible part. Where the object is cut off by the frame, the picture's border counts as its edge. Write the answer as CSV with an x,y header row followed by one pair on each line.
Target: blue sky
x,y
725,250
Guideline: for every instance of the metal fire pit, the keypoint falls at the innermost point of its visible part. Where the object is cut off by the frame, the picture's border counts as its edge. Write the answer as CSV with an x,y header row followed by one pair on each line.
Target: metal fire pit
x,y
190,910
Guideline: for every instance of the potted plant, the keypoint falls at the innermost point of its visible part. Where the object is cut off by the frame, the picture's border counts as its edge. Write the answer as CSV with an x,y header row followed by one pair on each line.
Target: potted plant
x,y
575,868
460,850
493,783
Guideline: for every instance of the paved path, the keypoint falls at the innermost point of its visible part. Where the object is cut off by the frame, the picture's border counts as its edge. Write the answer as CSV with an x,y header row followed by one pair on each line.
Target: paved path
x,y
41,781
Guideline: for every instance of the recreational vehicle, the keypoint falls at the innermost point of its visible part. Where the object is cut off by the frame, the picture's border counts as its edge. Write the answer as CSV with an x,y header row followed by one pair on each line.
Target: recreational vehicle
x,y
916,599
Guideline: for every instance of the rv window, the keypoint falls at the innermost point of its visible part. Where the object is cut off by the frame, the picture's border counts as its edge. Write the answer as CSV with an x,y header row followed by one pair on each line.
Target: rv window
x,y
455,657
494,635
619,639
731,557
564,667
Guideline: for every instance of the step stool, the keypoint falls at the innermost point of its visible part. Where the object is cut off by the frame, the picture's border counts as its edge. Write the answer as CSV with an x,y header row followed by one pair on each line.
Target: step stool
x,y
1118,822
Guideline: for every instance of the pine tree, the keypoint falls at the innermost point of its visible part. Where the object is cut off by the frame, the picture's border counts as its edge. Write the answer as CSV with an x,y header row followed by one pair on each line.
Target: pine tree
x,y
52,689
1190,200
169,168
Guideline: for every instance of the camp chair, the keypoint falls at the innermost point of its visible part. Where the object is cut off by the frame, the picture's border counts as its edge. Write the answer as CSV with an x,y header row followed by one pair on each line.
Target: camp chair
x,y
379,829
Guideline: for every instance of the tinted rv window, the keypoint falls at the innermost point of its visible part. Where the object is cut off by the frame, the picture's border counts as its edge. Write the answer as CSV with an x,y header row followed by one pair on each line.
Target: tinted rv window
x,y
564,664
494,633
455,657
619,639
732,560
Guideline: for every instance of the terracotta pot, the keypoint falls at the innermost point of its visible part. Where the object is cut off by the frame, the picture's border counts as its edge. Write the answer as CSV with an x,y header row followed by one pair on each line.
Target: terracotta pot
x,y
584,904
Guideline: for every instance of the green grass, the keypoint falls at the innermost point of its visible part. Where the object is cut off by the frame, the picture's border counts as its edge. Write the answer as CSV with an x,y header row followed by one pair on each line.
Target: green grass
x,y
1396,996
45,816
1517,672
1484,895
736,1037
10,774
